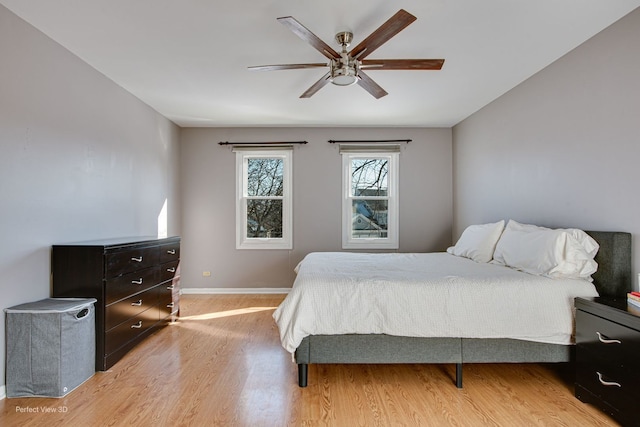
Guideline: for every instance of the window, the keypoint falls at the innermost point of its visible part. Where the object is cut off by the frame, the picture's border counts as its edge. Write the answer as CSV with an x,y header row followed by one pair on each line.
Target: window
x,y
263,208
370,202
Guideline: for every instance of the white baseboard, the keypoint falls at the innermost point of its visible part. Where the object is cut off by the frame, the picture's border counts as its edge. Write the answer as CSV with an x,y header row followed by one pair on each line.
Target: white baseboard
x,y
230,291
3,392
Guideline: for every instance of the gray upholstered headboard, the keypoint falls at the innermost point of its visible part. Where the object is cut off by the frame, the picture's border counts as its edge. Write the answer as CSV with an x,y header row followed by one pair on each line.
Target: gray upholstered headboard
x,y
613,278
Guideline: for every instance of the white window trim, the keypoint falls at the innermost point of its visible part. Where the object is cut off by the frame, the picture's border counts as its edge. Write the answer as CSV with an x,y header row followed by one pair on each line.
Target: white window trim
x,y
242,241
392,239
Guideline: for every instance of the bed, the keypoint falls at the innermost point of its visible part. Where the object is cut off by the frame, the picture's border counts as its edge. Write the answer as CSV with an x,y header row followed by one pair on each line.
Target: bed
x,y
311,341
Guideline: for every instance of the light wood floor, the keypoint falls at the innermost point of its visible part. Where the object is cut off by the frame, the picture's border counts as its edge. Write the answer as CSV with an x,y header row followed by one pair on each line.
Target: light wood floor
x,y
222,364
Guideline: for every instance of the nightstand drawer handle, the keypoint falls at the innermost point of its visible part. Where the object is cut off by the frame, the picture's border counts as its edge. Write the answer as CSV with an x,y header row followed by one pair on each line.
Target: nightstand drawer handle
x,y
137,303
171,251
171,270
139,259
139,325
137,282
603,339
607,383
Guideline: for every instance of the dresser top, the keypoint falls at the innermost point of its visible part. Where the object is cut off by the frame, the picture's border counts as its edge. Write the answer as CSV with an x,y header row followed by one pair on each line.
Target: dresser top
x,y
122,241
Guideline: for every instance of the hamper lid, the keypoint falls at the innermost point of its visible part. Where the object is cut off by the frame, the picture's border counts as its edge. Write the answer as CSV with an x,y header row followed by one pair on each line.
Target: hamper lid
x,y
52,305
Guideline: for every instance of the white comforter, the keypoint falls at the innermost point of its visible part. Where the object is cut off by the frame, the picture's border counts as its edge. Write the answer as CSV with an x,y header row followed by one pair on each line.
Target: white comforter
x,y
425,295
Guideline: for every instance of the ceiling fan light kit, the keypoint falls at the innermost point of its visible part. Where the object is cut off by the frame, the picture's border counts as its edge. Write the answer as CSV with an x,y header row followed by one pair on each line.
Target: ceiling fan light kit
x,y
344,74
345,68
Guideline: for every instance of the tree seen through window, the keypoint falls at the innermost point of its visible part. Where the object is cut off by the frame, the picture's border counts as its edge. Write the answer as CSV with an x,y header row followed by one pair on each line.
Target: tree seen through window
x,y
265,185
369,191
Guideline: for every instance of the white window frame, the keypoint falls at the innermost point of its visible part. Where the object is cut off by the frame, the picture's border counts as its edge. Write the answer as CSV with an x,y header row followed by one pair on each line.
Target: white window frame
x,y
392,239
242,240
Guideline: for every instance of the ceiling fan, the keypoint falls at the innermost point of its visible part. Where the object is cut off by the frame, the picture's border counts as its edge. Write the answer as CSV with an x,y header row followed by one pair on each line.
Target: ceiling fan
x,y
346,68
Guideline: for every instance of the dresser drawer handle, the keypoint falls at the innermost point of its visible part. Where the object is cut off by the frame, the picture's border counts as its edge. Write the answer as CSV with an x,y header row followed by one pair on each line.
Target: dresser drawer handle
x,y
171,270
170,305
139,259
603,339
171,251
137,325
607,383
137,303
137,282
170,287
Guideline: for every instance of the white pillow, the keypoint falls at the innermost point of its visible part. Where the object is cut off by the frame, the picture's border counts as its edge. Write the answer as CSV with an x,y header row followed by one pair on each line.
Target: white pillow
x,y
590,246
556,253
478,242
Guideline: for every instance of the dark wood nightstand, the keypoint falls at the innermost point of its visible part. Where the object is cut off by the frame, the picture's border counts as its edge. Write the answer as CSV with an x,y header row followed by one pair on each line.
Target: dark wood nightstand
x,y
608,357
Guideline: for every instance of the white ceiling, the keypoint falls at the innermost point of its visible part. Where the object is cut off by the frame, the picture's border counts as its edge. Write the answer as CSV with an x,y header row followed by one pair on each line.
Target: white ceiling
x,y
188,59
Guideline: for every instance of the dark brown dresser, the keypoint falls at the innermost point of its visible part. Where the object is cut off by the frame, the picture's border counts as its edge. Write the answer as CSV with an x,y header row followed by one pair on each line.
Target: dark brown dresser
x,y
133,280
608,356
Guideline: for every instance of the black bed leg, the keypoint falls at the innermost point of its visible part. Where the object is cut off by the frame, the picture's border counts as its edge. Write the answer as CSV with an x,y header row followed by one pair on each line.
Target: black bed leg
x,y
459,375
302,374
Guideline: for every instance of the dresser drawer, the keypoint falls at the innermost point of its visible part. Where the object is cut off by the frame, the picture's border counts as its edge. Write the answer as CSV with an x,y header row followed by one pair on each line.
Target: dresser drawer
x,y
608,341
120,311
130,329
170,252
124,286
167,304
125,261
168,271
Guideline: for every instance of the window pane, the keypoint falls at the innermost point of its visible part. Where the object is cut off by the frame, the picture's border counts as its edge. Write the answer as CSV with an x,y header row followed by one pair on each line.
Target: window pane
x,y
369,218
264,218
265,176
369,177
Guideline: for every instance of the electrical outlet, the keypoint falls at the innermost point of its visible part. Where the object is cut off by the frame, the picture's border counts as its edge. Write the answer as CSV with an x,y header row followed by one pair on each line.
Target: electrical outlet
x,y
206,274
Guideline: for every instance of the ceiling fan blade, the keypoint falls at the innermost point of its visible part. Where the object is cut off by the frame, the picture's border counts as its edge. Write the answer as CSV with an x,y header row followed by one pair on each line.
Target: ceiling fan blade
x,y
316,86
370,86
402,64
286,67
306,35
393,26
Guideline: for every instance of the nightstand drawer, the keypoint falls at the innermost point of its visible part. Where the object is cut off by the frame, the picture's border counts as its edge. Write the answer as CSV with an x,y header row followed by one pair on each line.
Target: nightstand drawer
x,y
614,388
586,396
606,340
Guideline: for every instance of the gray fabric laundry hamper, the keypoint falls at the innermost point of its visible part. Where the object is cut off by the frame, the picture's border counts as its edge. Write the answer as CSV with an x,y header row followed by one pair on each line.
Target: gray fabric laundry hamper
x,y
51,346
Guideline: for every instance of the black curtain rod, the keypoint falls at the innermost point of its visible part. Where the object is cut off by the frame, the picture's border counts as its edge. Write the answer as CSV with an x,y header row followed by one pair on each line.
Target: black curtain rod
x,y
263,143
333,141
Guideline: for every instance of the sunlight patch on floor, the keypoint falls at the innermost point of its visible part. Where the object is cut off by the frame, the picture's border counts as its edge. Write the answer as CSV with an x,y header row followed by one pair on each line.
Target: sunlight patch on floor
x,y
219,314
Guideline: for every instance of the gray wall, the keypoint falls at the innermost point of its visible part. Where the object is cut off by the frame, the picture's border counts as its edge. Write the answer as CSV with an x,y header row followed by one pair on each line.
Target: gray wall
x,y
81,159
562,148
208,185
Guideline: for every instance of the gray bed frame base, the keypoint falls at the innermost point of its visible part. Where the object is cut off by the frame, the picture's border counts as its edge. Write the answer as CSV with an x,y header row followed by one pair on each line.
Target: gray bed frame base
x,y
386,349
613,279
